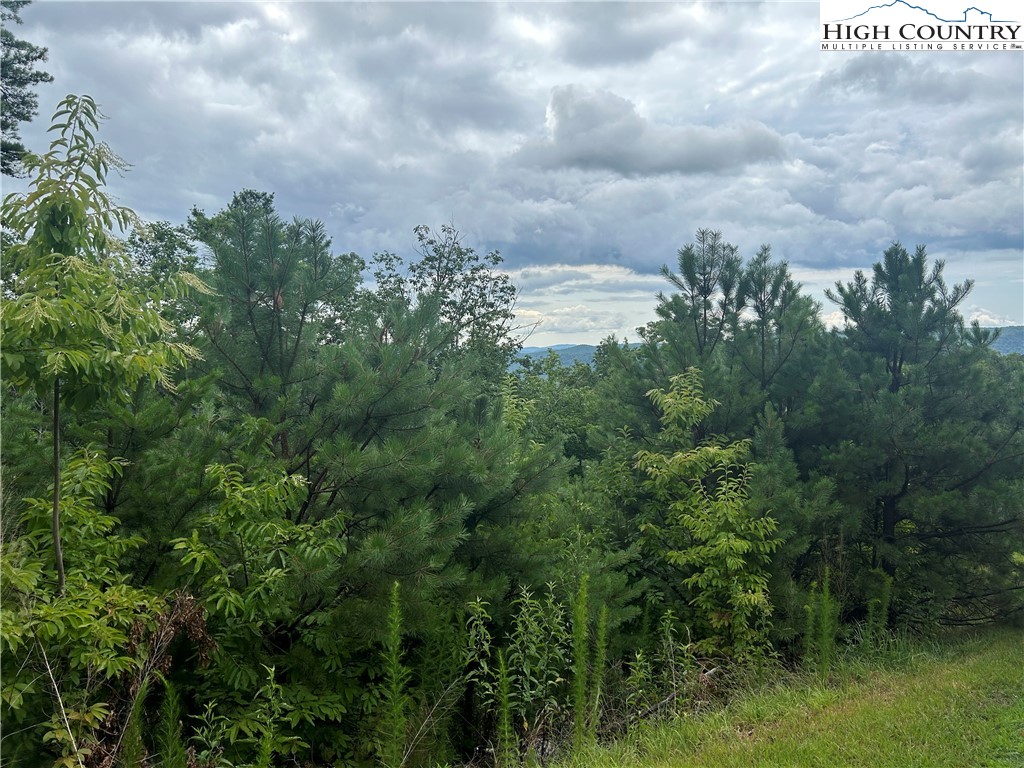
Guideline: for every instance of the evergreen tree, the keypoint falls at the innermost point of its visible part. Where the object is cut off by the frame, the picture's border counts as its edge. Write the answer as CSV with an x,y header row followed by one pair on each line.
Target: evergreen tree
x,y
777,340
18,76
930,459
810,523
708,295
378,400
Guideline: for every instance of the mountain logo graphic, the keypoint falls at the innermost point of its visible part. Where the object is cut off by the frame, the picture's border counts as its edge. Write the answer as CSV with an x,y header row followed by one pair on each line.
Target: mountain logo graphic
x,y
921,25
965,17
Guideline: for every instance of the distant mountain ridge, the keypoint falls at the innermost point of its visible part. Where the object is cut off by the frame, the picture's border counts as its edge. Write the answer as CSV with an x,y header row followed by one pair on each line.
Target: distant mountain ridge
x,y
1010,341
567,353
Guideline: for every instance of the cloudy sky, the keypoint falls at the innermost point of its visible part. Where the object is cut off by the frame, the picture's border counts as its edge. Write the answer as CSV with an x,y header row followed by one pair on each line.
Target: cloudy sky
x,y
585,141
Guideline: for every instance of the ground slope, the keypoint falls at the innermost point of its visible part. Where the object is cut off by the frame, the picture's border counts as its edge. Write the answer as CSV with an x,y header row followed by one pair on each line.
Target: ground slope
x,y
961,708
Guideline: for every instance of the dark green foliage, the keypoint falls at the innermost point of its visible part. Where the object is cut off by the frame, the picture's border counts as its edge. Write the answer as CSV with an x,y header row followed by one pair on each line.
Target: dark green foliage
x,y
475,301
20,75
810,524
563,404
378,404
709,296
932,451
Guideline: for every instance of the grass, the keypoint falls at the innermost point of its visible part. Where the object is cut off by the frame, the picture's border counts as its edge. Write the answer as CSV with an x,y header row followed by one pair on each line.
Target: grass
x,y
956,705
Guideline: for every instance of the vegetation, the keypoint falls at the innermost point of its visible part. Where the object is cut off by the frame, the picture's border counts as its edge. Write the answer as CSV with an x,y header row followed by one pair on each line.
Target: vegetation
x,y
271,504
937,705
19,73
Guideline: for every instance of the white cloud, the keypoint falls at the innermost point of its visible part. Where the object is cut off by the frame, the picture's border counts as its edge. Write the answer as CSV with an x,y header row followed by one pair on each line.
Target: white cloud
x,y
586,137
598,130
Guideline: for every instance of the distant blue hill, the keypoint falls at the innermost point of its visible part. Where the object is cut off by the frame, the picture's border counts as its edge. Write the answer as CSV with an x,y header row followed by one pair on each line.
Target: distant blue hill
x,y
1010,341
567,353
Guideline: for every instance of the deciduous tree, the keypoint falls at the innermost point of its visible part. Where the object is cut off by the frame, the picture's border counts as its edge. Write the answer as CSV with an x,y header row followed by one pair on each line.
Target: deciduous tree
x,y
71,333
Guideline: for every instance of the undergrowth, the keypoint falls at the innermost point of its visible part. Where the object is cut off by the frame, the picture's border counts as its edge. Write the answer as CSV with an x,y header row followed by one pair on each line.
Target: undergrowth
x,y
897,702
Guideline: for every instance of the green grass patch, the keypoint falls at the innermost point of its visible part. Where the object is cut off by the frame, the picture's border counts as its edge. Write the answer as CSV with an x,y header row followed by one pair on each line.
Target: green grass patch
x,y
950,705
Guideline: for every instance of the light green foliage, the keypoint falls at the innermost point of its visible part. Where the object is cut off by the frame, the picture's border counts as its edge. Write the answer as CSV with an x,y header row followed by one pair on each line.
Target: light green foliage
x,y
516,409
246,559
944,707
823,611
580,662
711,535
132,753
538,660
536,657
674,665
209,737
394,694
663,678
72,332
238,550
64,265
272,709
488,669
170,742
639,686
342,436
65,654
508,743
597,674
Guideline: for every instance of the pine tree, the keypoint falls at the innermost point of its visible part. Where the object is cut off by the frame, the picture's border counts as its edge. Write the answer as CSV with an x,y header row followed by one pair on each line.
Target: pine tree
x,y
18,75
930,459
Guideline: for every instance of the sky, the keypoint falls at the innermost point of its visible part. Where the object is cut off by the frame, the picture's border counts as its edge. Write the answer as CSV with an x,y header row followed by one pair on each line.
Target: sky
x,y
587,142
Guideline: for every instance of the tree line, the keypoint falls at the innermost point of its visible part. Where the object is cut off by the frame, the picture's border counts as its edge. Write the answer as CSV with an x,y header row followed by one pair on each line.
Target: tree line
x,y
266,503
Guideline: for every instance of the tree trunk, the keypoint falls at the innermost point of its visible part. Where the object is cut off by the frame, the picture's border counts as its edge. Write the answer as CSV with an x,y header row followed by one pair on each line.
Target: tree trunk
x,y
58,551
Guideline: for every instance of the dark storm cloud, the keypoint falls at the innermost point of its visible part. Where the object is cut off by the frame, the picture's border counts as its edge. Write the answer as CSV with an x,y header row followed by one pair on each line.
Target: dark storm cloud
x,y
602,131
